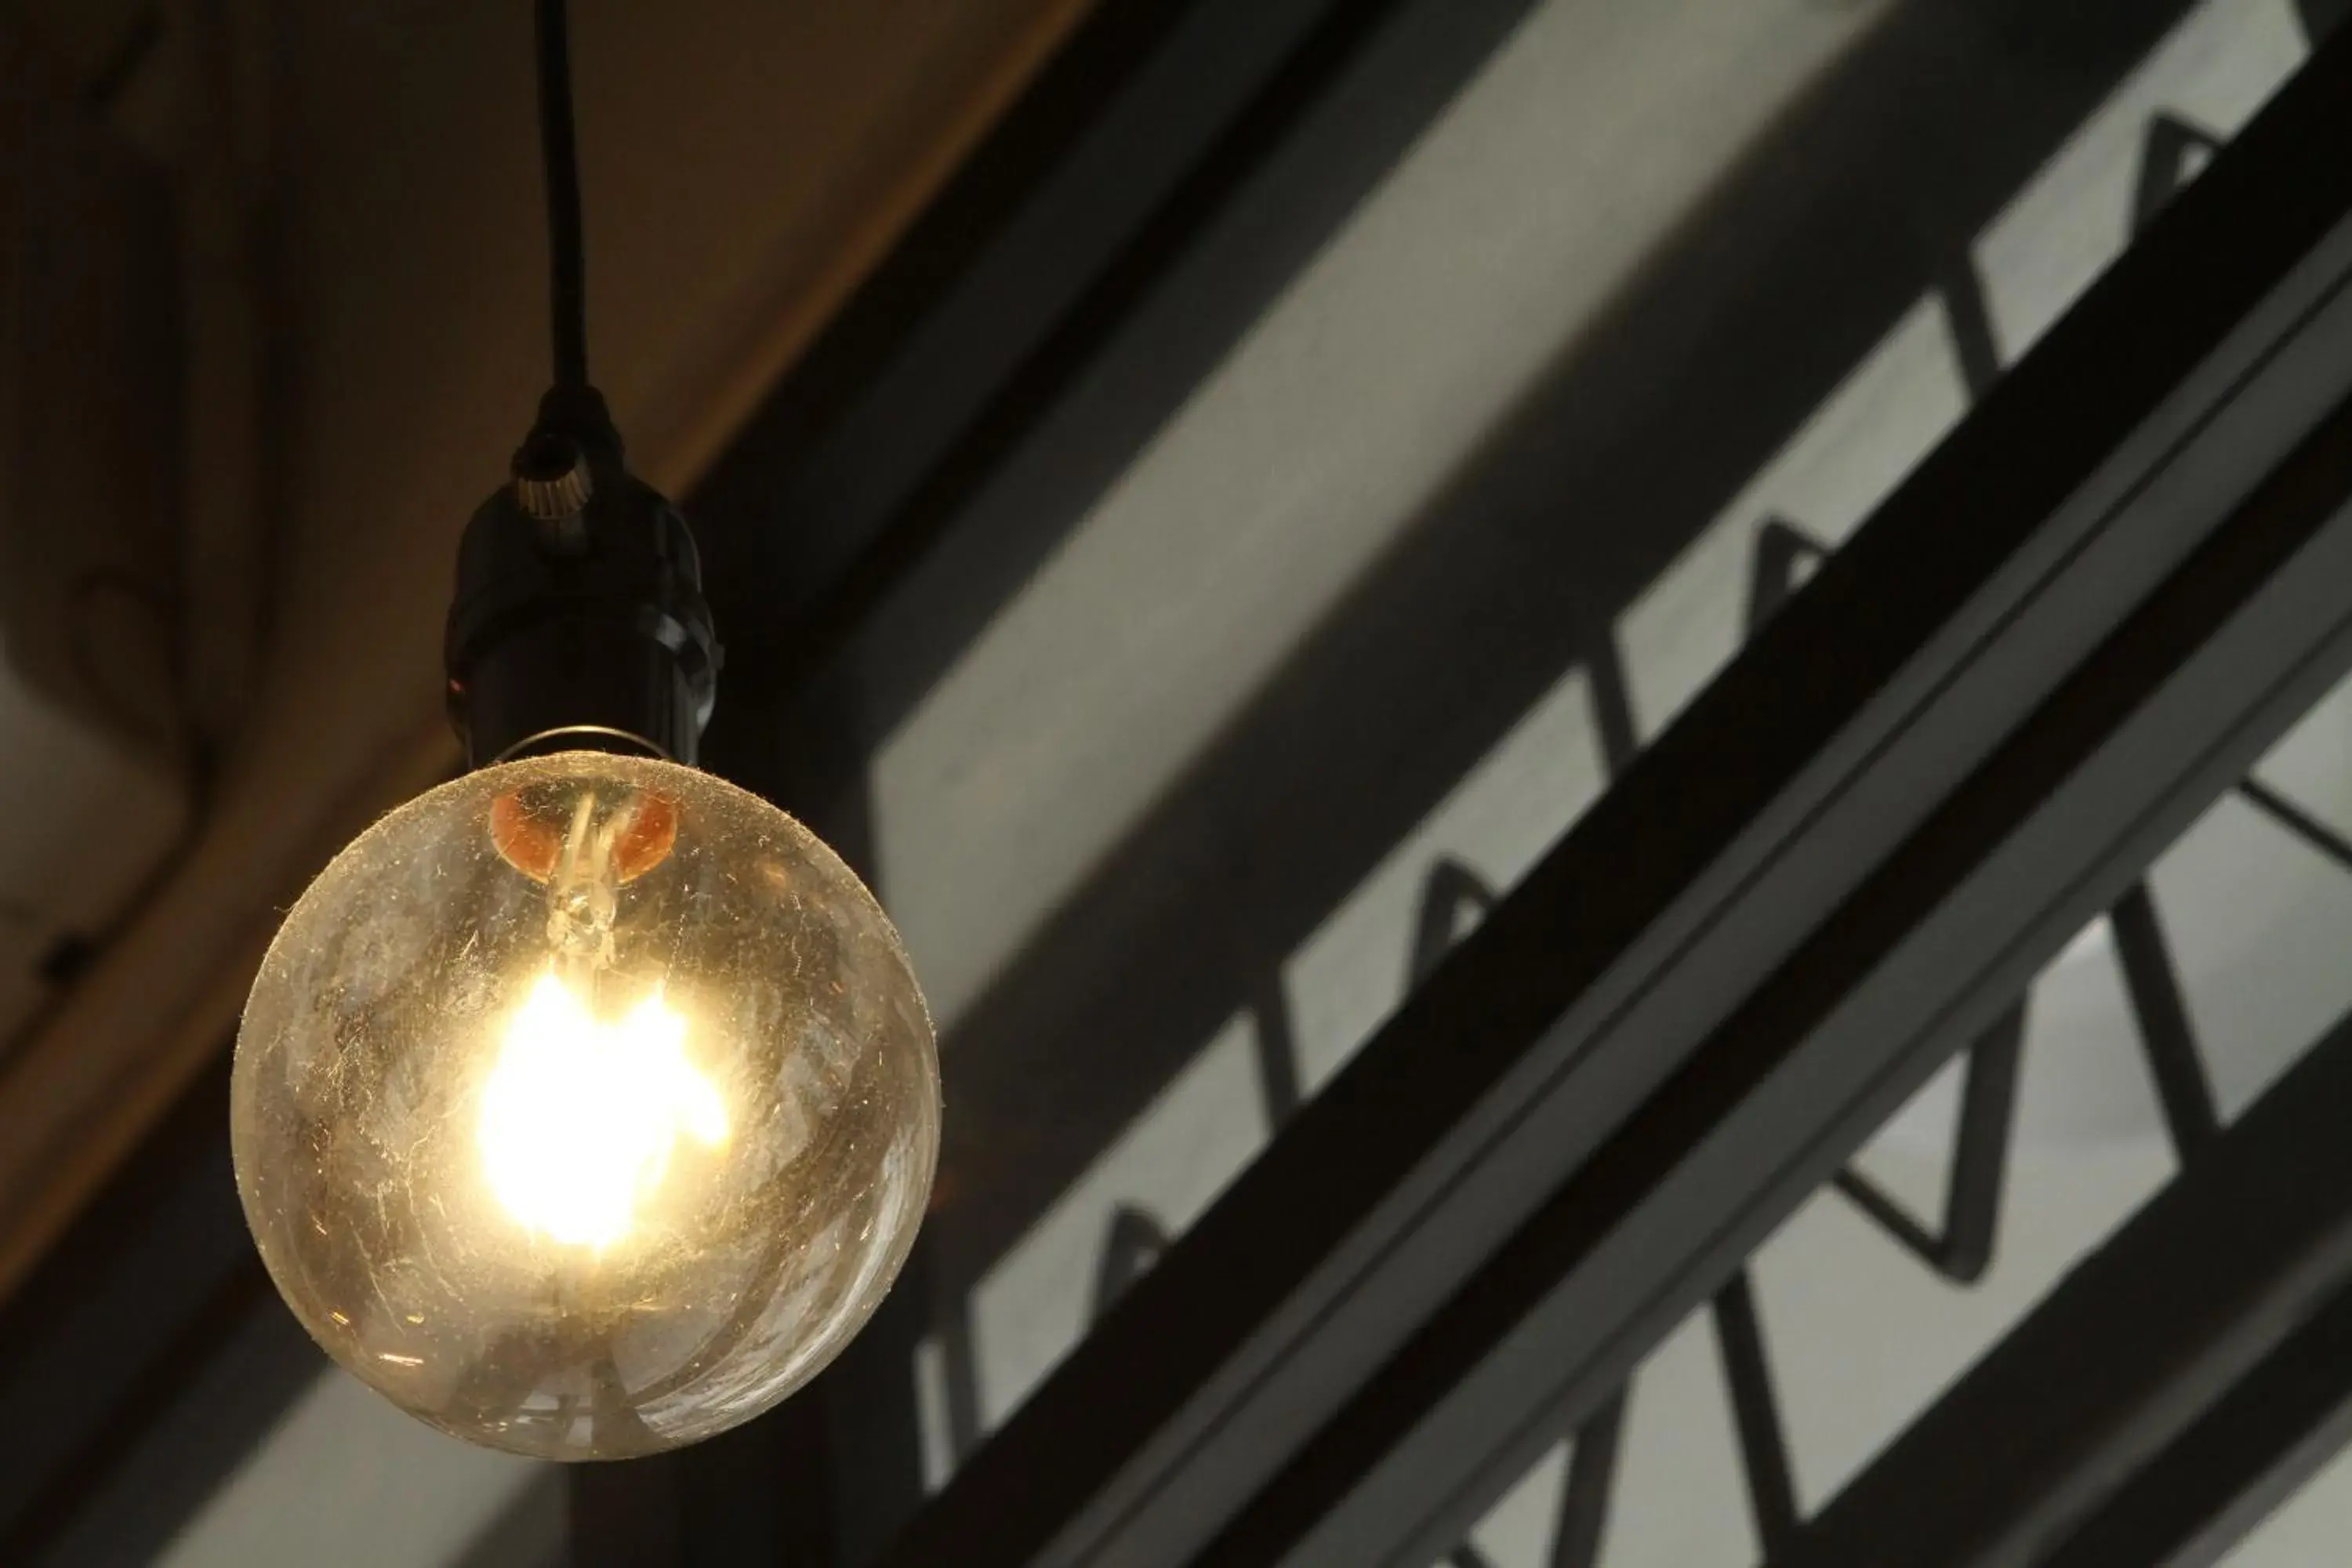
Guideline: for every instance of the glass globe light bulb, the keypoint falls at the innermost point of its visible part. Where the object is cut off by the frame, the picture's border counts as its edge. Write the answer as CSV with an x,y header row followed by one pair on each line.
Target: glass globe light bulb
x,y
584,1106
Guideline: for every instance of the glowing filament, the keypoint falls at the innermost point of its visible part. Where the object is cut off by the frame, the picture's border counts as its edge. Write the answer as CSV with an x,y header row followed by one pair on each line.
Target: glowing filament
x,y
580,1116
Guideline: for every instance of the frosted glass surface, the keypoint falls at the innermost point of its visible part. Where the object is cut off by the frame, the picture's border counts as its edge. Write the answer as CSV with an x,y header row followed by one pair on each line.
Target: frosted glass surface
x,y
585,1106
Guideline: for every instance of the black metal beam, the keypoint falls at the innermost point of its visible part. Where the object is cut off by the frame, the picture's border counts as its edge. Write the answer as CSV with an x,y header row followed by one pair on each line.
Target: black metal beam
x,y
1765,826
2247,1455
2174,1384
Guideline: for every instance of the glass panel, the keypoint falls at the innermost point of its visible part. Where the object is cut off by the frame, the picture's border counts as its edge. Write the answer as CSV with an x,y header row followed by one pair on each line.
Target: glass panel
x,y
346,1478
1501,235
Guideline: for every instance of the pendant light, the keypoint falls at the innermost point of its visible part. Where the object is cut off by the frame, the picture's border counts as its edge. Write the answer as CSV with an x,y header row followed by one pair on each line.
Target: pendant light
x,y
587,1105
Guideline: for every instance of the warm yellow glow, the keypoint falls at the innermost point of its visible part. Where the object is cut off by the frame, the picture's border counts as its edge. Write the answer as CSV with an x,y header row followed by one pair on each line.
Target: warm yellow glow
x,y
580,1116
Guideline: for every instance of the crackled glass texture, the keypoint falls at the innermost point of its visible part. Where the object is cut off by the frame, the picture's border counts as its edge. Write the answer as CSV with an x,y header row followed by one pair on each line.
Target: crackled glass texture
x,y
585,1106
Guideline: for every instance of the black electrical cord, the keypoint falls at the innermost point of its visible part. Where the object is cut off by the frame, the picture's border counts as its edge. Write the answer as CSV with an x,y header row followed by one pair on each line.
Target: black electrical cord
x,y
567,262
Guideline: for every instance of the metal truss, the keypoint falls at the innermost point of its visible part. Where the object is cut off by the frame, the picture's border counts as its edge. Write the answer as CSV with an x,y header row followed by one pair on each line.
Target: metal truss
x,y
1444,651
2176,1385
2081,619
2282,1421
1962,1248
